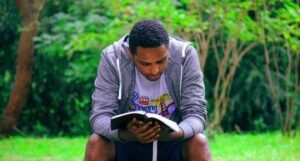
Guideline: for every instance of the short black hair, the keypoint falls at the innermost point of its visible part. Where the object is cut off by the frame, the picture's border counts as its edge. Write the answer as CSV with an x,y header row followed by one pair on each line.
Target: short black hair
x,y
147,34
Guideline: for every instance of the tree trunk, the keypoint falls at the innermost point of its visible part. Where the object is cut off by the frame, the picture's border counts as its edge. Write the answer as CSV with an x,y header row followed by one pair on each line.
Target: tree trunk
x,y
29,10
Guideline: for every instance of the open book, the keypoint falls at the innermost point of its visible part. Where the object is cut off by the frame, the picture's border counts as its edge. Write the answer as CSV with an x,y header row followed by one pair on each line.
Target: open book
x,y
121,120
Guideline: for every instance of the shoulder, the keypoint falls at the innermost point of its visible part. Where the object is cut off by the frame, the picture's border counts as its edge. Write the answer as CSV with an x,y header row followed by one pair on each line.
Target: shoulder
x,y
115,51
177,43
179,48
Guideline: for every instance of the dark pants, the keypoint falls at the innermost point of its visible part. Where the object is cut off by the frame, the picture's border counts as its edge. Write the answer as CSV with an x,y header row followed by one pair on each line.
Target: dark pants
x,y
135,151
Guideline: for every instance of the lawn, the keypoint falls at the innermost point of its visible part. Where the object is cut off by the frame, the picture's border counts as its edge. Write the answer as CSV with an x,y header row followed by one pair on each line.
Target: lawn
x,y
259,147
227,147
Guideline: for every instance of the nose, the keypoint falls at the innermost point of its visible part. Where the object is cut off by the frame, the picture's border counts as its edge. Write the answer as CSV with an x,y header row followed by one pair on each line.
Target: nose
x,y
154,70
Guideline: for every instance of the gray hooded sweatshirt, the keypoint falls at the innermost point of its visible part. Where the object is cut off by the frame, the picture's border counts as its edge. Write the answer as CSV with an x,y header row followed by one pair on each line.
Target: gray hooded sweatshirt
x,y
115,82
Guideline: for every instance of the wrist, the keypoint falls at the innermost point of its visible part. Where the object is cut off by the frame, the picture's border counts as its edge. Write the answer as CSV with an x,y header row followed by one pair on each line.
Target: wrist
x,y
125,135
121,136
178,135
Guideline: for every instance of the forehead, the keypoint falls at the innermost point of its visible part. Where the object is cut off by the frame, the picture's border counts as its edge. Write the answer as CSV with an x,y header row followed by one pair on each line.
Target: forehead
x,y
151,54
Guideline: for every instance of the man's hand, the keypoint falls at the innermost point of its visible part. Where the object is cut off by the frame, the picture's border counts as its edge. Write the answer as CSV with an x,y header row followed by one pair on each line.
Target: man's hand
x,y
166,135
140,131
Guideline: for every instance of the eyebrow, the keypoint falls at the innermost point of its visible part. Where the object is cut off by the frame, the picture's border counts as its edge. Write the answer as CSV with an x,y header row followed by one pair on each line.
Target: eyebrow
x,y
154,62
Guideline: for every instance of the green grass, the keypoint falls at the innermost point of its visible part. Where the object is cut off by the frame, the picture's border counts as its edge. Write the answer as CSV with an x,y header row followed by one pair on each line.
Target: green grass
x,y
42,149
259,147
227,147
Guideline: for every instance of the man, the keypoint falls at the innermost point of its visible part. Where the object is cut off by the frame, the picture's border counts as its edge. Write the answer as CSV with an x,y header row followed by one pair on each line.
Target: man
x,y
149,71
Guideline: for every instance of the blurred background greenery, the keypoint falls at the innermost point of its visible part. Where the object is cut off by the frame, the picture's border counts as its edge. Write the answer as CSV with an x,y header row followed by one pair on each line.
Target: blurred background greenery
x,y
249,52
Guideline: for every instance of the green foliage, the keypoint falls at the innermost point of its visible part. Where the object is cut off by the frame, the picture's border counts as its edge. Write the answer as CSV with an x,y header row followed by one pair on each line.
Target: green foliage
x,y
283,24
9,21
9,24
251,107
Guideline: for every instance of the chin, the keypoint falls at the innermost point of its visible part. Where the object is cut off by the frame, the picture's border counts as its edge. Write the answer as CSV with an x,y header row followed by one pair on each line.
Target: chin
x,y
153,78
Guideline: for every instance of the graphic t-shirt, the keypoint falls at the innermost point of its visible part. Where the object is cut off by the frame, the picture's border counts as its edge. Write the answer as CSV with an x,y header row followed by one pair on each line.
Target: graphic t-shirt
x,y
152,96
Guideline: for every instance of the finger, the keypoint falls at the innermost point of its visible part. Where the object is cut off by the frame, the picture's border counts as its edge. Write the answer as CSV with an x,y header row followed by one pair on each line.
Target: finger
x,y
132,129
152,136
150,133
134,120
138,131
155,137
131,122
157,123
140,123
142,129
132,126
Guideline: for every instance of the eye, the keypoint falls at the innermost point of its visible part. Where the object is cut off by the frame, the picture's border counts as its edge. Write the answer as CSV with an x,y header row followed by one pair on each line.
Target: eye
x,y
145,64
161,61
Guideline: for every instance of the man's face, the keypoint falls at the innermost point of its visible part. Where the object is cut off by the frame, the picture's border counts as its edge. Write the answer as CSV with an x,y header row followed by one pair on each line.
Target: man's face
x,y
151,62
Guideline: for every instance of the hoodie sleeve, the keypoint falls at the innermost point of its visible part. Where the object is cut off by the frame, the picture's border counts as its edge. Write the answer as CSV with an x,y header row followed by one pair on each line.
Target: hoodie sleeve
x,y
105,97
193,103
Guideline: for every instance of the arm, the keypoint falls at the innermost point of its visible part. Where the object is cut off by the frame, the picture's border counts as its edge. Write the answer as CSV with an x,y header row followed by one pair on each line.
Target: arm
x,y
167,136
104,98
193,103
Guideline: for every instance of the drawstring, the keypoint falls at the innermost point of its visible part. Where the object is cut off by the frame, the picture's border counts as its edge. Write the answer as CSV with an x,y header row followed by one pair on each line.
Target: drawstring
x,y
154,151
120,78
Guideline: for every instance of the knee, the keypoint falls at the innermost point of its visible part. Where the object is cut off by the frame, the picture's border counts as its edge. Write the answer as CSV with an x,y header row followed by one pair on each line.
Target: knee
x,y
94,139
97,140
200,140
196,147
99,148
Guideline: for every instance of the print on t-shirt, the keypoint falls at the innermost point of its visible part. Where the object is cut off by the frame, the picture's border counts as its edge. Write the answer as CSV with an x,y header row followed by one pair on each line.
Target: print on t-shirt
x,y
152,96
162,105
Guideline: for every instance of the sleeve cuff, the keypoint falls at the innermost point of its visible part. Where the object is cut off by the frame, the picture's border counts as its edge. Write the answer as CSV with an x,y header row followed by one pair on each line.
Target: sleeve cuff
x,y
105,131
191,128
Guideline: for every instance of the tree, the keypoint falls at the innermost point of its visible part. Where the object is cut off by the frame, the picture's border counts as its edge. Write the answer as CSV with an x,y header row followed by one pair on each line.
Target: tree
x,y
227,31
281,49
29,10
